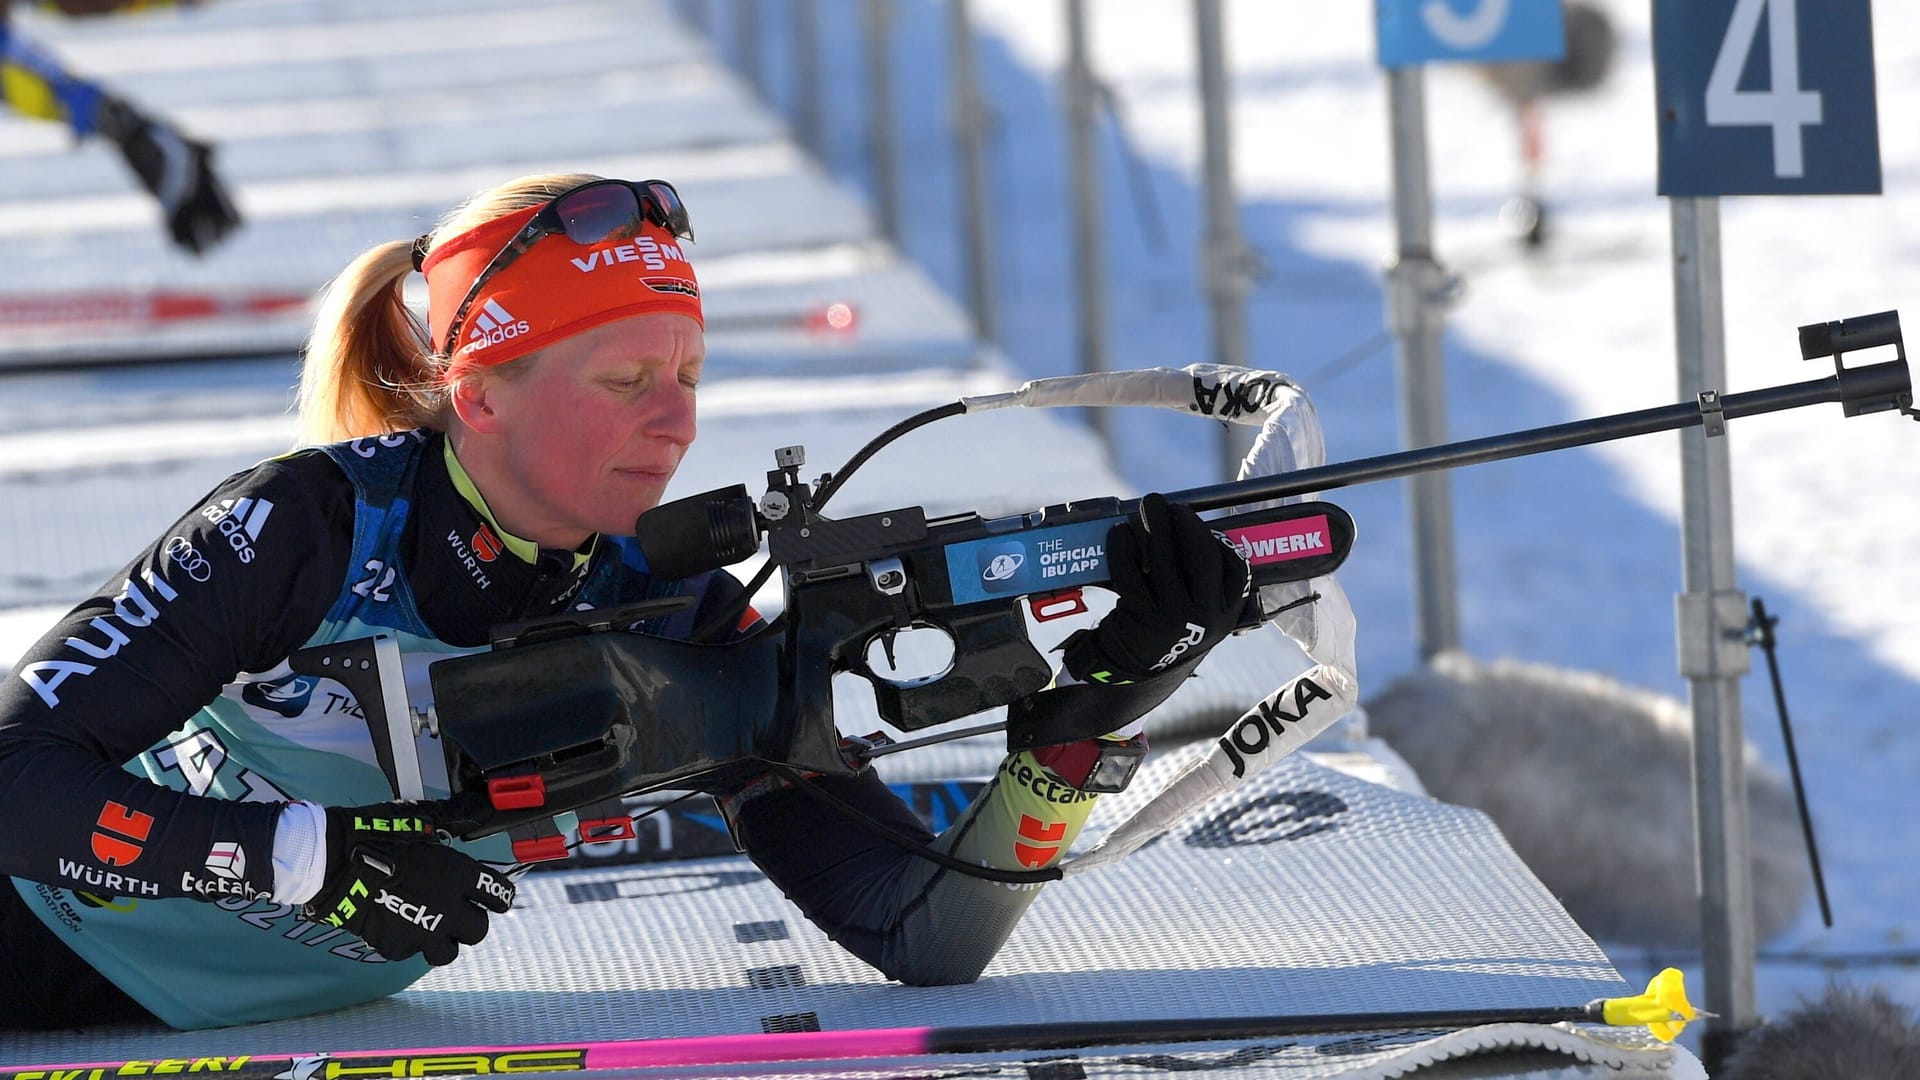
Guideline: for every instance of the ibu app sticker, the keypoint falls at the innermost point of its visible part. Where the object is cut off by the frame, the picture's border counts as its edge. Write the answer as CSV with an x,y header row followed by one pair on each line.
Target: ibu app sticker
x,y
1004,567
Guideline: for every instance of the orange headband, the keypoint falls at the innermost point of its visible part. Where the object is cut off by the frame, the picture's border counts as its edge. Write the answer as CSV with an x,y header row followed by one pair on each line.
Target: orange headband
x,y
555,289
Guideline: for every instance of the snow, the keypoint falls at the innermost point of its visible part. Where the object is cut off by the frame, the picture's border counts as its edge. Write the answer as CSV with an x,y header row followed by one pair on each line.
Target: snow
x,y
1572,558
1569,559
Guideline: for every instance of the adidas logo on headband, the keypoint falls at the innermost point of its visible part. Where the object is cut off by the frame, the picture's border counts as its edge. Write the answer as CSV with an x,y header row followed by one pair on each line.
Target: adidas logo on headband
x,y
493,325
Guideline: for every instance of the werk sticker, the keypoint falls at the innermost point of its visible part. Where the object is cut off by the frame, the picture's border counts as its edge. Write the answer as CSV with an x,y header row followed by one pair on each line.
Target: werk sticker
x,y
1283,541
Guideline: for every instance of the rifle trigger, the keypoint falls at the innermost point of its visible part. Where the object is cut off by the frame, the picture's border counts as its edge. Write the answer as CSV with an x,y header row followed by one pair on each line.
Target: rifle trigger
x,y
886,646
1056,605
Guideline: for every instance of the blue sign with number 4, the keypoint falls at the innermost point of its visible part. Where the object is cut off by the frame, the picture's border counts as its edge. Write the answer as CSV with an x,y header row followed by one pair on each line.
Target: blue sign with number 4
x,y
1423,31
1765,97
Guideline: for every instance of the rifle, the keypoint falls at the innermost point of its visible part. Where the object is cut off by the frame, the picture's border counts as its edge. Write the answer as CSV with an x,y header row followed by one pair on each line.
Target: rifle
x,y
571,712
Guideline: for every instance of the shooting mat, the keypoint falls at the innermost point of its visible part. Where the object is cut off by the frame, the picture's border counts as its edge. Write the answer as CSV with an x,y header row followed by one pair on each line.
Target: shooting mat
x,y
1306,891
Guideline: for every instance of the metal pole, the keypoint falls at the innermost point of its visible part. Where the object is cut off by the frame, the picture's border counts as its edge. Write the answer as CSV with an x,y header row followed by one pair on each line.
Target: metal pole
x,y
809,117
1710,620
1224,261
970,135
1415,283
1083,193
746,33
879,18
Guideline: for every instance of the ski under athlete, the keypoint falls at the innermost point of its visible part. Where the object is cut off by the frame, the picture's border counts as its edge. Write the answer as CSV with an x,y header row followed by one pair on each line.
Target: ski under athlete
x,y
189,824
175,169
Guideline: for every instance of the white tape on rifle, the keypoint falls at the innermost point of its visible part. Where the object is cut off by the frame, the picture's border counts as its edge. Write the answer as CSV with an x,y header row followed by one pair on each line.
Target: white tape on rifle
x,y
1290,439
1233,394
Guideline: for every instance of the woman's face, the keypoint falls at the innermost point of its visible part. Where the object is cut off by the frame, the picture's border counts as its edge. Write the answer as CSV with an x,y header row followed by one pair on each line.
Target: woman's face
x,y
587,432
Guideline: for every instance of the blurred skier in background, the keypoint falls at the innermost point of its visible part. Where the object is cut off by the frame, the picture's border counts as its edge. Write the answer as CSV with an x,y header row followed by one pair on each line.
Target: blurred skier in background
x,y
1591,43
176,170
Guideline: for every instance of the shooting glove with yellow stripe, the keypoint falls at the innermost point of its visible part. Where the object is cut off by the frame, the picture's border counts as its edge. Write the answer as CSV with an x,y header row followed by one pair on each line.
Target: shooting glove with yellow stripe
x,y
390,882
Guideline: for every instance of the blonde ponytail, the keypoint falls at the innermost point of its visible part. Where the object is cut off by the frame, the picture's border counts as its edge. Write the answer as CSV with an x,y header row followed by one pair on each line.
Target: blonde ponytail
x,y
369,367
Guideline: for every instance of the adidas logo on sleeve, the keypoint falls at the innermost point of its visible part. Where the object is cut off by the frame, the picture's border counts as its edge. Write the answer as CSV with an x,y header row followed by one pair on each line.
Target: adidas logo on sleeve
x,y
240,521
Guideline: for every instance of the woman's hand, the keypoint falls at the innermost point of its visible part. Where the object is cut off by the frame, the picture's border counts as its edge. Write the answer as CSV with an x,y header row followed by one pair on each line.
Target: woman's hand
x,y
1182,589
391,882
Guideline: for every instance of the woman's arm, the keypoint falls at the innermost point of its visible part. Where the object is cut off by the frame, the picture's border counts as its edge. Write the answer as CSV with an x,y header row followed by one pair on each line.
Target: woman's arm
x,y
235,585
1181,589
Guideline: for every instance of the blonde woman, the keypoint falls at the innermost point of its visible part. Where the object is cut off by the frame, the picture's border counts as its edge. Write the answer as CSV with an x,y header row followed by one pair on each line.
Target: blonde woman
x,y
487,467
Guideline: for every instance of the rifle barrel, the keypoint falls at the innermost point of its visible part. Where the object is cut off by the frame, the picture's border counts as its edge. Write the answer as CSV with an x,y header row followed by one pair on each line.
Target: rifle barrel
x,y
1864,389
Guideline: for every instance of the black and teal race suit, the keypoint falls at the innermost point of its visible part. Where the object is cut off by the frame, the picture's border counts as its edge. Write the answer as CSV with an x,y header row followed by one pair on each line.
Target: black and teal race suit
x,y
142,846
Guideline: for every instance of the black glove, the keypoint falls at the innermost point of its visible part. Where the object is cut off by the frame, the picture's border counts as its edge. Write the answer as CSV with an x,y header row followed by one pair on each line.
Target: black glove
x,y
177,170
403,892
1181,588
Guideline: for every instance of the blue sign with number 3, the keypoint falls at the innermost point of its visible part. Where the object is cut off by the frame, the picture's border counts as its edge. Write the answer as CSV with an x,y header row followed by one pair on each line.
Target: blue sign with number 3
x,y
1423,31
1765,97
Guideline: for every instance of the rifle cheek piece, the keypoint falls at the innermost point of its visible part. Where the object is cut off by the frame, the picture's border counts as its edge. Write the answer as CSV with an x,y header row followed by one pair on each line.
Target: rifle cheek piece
x,y
586,718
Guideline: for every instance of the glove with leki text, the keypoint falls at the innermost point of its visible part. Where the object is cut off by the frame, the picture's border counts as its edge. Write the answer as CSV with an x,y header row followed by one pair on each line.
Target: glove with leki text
x,y
1181,589
177,170
390,881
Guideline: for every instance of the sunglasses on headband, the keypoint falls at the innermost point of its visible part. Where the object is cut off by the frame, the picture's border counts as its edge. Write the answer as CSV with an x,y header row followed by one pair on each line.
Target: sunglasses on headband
x,y
593,213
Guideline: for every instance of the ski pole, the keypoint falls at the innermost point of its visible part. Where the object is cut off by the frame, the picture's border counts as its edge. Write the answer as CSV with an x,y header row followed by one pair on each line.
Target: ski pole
x,y
1663,1009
